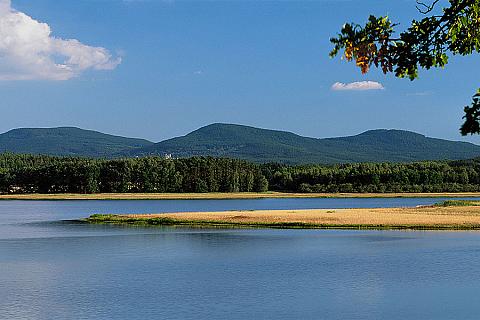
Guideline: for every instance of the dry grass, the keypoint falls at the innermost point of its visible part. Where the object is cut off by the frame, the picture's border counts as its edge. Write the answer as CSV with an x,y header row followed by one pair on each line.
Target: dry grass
x,y
414,218
242,195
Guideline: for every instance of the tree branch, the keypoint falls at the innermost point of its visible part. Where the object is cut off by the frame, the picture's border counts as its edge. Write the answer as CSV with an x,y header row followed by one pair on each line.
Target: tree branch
x,y
427,8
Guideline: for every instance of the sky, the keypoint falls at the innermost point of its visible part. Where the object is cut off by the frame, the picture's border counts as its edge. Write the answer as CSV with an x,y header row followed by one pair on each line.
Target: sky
x,y
157,69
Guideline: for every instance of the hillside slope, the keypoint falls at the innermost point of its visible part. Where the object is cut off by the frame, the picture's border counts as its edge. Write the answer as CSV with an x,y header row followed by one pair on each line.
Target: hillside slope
x,y
67,141
261,145
243,142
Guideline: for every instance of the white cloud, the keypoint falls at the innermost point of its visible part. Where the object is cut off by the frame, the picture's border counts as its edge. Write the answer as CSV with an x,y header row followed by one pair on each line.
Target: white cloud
x,y
28,51
357,86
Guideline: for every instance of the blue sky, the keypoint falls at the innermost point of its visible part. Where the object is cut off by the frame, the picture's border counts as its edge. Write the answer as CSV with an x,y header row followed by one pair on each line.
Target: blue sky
x,y
188,64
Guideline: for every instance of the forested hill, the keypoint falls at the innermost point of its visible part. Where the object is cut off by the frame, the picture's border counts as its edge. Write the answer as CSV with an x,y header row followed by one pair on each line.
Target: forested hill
x,y
242,142
261,145
66,141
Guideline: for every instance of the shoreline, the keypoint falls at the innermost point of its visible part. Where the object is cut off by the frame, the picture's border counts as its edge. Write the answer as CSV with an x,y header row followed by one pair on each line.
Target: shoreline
x,y
418,218
226,196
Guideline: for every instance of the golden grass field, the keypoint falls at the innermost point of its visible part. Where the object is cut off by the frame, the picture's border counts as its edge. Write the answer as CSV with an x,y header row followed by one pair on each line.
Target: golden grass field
x,y
240,195
431,217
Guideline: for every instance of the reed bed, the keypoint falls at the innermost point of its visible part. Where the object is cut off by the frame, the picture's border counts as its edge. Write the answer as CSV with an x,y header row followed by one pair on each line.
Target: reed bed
x,y
431,217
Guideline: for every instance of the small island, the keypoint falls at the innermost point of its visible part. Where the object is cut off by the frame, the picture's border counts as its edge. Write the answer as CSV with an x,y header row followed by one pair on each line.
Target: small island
x,y
447,215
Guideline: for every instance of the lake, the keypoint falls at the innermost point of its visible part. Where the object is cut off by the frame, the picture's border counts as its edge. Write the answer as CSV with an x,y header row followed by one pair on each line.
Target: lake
x,y
52,268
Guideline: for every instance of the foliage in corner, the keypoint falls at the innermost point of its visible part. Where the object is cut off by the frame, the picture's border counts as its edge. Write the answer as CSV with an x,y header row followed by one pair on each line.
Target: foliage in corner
x,y
425,44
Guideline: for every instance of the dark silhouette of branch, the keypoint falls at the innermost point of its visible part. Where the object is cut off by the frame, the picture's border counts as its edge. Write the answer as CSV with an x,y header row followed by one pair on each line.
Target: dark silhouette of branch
x,y
426,8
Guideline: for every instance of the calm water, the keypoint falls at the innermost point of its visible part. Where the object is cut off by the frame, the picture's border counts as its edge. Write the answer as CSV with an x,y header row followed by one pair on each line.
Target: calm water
x,y
54,269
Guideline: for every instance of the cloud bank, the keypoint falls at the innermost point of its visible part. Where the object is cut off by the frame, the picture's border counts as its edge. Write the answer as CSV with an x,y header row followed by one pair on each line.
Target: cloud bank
x,y
28,51
357,86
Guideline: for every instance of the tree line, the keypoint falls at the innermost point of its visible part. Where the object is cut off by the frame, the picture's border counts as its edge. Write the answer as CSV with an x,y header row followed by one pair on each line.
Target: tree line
x,y
47,174
44,174
426,176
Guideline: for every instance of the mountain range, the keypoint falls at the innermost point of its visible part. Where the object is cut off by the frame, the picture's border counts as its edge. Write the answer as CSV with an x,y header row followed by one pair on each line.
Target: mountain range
x,y
67,141
244,142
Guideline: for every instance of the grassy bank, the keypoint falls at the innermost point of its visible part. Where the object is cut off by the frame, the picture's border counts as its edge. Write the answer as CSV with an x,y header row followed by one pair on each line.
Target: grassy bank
x,y
439,217
219,196
457,203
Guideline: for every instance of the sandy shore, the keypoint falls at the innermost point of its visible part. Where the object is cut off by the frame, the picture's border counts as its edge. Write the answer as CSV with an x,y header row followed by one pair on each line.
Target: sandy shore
x,y
460,218
242,195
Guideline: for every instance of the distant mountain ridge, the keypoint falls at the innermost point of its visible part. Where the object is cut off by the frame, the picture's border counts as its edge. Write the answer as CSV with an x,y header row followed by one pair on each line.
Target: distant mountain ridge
x,y
67,141
243,142
263,145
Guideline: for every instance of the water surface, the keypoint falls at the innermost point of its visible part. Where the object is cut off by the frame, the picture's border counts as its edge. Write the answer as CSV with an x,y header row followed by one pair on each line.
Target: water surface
x,y
53,269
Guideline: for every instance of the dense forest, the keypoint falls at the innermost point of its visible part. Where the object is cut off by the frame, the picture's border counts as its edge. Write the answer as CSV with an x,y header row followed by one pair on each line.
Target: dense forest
x,y
426,176
46,174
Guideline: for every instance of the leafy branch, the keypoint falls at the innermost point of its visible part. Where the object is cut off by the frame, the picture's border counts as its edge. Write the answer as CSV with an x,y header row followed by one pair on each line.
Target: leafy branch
x,y
426,43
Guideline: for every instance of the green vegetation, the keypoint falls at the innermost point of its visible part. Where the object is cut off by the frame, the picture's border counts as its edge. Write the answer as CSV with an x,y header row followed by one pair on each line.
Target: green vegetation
x,y
457,203
44,174
112,218
427,43
428,176
261,146
67,141
23,174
